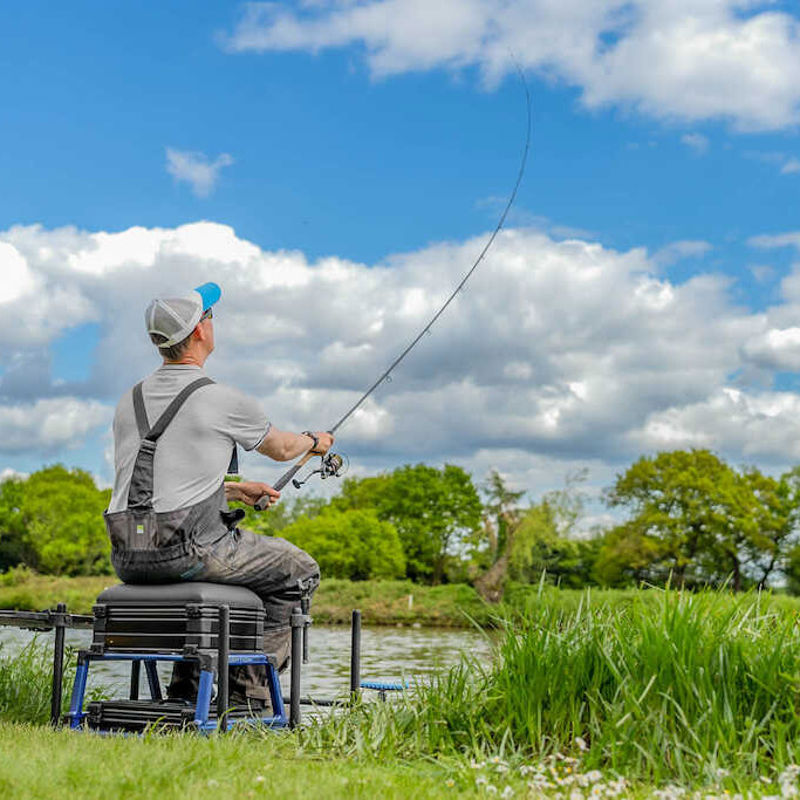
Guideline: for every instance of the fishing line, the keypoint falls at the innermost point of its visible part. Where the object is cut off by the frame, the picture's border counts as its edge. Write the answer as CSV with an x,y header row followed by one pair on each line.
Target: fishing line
x,y
332,464
386,376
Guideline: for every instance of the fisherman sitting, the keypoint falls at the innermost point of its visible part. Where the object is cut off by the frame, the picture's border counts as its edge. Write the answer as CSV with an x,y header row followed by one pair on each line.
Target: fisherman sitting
x,y
168,518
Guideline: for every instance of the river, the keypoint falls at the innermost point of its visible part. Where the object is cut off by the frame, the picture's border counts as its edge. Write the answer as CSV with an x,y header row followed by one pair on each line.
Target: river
x,y
387,654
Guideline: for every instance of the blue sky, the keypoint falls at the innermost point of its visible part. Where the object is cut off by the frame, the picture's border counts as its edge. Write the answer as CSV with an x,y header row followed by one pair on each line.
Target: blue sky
x,y
372,132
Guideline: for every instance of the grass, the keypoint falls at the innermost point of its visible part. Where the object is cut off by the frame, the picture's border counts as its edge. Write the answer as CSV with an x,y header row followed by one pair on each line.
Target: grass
x,y
666,687
39,763
26,684
598,696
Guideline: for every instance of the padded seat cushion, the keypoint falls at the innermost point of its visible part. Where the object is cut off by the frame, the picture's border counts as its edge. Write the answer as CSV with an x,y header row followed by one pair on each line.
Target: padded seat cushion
x,y
174,594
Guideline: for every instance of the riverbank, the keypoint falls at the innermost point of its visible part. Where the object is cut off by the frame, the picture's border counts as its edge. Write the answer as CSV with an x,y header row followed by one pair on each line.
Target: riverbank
x,y
381,602
638,694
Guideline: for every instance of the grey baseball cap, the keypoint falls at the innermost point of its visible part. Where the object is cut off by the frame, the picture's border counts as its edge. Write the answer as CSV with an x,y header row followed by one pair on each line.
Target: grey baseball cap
x,y
176,317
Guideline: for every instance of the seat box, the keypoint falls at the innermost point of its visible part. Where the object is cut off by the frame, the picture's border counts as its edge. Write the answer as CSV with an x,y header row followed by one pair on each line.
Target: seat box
x,y
175,617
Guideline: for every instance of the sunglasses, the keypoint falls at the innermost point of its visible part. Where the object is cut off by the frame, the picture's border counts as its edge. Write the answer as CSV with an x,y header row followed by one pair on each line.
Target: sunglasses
x,y
208,314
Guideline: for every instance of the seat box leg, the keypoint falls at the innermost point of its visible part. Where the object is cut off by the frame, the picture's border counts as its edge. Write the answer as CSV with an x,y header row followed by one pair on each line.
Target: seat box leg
x,y
76,714
203,704
136,670
276,696
153,681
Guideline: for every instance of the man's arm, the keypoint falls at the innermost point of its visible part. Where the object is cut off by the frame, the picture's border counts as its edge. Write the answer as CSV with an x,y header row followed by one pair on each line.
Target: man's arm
x,y
286,446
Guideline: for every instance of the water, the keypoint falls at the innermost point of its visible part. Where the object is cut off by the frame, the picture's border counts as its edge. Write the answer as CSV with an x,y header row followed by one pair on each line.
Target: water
x,y
387,654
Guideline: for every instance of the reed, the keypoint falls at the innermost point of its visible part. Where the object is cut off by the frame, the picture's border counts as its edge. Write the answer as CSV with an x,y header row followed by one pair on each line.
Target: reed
x,y
26,684
670,686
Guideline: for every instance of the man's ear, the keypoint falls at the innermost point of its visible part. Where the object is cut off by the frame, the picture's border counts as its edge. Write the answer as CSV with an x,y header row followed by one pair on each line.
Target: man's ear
x,y
198,332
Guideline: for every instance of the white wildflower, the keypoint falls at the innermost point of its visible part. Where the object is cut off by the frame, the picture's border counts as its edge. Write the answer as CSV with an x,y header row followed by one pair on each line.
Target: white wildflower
x,y
580,742
507,792
593,776
491,789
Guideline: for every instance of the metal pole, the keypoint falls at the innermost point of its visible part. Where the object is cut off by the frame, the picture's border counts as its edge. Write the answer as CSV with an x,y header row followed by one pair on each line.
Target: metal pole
x,y
297,650
58,665
223,653
355,655
136,671
304,607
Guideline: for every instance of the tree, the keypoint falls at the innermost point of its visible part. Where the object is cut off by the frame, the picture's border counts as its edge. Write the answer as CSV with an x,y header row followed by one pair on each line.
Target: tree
x,y
352,544
273,521
62,511
628,555
433,510
698,519
12,528
535,540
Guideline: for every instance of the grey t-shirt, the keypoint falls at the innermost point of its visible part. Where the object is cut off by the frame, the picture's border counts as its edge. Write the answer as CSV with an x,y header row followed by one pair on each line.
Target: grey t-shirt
x,y
193,453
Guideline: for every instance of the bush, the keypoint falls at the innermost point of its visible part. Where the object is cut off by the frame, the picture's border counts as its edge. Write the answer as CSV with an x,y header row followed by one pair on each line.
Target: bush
x,y
350,544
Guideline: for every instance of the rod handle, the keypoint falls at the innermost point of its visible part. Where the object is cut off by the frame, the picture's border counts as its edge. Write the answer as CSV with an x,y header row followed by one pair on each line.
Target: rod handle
x,y
263,502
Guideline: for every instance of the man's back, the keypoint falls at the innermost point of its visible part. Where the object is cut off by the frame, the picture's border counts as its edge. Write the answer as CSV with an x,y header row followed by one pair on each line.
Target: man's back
x,y
194,452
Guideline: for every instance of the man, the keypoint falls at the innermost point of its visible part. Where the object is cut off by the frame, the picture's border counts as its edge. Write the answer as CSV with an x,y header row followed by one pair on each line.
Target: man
x,y
174,437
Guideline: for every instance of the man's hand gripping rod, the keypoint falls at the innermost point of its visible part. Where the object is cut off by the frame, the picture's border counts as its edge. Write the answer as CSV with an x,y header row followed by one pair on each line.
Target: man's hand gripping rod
x,y
263,502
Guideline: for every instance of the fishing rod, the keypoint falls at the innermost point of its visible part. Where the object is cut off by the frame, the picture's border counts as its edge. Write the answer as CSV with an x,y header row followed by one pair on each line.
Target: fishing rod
x,y
332,464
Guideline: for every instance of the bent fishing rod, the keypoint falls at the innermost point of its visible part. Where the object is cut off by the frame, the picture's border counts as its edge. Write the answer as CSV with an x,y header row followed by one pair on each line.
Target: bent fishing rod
x,y
332,463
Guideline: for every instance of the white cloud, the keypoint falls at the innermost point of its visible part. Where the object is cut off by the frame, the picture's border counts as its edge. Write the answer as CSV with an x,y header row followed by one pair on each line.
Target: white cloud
x,y
17,278
777,349
677,251
50,424
696,142
786,164
196,169
564,352
753,425
685,59
771,241
8,474
791,166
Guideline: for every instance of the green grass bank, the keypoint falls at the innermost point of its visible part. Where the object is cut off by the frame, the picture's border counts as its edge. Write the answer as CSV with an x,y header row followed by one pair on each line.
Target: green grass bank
x,y
381,602
591,695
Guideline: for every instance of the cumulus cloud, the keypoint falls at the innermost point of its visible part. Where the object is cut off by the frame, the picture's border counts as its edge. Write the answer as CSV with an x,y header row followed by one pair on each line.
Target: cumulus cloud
x,y
791,166
196,169
677,251
773,240
557,351
698,60
696,142
50,424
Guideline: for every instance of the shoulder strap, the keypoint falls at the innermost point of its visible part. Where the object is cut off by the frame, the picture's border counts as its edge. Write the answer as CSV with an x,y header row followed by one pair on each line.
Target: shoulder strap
x,y
172,409
138,408
140,492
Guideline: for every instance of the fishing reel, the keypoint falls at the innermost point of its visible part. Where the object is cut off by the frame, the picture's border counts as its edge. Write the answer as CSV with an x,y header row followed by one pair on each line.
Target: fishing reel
x,y
333,465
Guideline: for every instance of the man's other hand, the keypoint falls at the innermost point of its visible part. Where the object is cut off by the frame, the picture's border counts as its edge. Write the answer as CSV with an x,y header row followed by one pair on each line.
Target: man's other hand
x,y
249,492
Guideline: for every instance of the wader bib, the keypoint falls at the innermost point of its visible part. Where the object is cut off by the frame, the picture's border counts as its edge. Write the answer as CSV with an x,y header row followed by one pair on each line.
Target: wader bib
x,y
162,547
